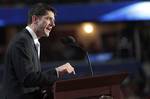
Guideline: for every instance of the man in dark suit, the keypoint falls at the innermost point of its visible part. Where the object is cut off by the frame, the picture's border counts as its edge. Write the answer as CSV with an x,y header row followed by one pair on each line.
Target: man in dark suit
x,y
23,78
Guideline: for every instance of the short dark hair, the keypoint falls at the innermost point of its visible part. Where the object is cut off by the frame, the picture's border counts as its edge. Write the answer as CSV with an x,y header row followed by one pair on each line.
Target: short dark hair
x,y
39,9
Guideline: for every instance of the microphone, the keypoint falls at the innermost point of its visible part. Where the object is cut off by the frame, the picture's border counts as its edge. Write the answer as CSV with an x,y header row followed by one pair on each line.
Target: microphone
x,y
70,40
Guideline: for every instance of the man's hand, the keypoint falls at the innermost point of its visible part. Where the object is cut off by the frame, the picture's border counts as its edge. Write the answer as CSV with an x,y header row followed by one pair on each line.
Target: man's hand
x,y
66,68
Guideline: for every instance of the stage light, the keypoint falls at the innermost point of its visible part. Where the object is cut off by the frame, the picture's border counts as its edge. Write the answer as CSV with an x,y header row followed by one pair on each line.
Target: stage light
x,y
88,28
135,12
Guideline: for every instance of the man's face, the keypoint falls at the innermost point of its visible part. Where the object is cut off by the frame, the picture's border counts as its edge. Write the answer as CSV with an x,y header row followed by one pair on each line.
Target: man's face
x,y
45,24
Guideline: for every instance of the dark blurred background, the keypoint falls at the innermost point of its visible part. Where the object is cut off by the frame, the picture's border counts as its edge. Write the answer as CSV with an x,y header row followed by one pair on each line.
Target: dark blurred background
x,y
115,33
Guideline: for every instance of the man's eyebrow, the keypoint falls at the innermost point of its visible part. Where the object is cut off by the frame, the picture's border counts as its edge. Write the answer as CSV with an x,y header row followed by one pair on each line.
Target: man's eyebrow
x,y
52,18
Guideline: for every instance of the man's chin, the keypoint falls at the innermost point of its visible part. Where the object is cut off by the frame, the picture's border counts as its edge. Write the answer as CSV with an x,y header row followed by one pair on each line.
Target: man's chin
x,y
47,34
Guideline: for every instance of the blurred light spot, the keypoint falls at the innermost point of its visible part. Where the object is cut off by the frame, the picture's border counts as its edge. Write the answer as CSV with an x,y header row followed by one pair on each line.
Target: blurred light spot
x,y
2,23
101,57
88,28
137,11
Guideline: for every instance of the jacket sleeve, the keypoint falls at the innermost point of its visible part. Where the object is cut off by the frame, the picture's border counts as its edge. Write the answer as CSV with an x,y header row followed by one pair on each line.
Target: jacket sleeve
x,y
24,67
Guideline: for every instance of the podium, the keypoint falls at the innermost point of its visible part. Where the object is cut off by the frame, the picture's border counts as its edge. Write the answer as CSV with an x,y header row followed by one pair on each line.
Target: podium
x,y
90,87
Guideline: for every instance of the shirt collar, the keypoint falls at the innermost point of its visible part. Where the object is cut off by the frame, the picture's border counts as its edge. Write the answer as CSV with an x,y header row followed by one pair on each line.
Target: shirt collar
x,y
34,36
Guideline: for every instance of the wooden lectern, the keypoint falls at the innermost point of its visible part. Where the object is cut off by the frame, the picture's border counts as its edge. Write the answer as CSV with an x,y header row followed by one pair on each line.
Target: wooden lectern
x,y
90,87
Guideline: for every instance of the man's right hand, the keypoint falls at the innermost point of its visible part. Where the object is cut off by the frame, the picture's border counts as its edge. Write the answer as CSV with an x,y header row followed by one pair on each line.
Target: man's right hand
x,y
65,69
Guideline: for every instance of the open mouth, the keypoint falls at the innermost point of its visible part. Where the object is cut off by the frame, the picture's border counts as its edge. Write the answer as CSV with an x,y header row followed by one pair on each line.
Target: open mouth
x,y
49,29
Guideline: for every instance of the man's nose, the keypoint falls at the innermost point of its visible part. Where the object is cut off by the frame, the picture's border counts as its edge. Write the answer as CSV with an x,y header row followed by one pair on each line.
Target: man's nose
x,y
52,24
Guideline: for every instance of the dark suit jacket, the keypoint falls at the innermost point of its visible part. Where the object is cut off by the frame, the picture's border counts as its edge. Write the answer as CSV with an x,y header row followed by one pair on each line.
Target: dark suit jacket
x,y
22,73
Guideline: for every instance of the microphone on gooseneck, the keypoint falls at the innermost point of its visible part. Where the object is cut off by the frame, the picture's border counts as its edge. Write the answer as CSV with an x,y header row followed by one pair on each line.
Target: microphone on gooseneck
x,y
70,40
89,62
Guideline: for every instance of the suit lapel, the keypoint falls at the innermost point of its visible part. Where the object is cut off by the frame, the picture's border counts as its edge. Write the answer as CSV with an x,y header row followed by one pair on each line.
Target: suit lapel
x,y
34,51
32,41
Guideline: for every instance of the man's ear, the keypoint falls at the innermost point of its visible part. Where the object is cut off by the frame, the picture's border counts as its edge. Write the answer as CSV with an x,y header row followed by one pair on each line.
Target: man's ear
x,y
34,19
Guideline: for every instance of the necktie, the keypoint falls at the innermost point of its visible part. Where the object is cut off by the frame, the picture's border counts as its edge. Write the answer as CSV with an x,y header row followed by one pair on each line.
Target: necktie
x,y
37,44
